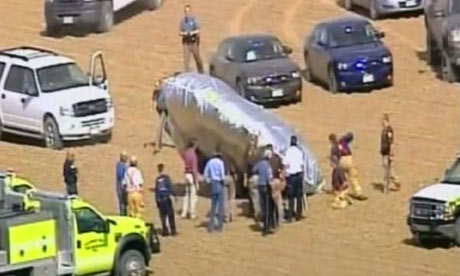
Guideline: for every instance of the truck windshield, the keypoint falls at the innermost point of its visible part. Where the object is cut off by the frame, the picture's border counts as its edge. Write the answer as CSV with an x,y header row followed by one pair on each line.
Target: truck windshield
x,y
350,35
62,76
453,174
254,50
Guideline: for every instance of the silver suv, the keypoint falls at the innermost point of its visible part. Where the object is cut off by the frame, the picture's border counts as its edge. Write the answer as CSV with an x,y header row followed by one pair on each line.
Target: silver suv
x,y
379,8
442,21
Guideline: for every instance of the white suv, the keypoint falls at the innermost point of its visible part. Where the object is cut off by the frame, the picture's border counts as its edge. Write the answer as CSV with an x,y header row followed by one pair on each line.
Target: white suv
x,y
47,96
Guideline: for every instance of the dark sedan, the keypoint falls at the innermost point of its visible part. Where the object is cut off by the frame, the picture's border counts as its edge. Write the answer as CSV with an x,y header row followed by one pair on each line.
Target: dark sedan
x,y
259,68
347,54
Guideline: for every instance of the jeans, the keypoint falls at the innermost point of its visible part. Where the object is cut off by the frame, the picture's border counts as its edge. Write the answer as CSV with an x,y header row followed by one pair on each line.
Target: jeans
x,y
122,200
217,207
266,208
295,195
166,209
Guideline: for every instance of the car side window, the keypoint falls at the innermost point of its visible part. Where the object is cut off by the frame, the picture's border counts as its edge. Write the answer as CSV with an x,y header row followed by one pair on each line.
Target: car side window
x,y
323,37
21,80
2,68
88,221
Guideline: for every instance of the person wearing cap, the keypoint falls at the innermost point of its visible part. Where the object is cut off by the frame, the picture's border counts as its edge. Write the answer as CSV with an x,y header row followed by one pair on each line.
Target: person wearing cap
x,y
134,182
293,163
70,174
265,176
341,148
214,173
339,185
120,170
387,152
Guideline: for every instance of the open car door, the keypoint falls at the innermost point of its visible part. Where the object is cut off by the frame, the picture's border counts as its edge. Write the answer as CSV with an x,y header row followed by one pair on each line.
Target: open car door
x,y
97,72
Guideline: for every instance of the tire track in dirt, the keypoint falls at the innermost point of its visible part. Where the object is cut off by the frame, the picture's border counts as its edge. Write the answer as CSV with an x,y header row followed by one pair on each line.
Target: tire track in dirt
x,y
235,25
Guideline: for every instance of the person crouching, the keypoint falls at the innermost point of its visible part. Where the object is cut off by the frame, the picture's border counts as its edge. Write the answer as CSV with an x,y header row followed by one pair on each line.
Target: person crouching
x,y
339,186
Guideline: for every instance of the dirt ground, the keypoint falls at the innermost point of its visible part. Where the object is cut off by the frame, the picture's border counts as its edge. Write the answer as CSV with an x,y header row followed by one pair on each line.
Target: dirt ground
x,y
370,238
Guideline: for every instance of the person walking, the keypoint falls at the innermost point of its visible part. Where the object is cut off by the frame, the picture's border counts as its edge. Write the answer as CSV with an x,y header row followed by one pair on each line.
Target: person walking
x,y
191,181
277,184
214,173
229,190
339,185
265,176
387,151
341,149
293,162
134,182
70,174
163,193
120,170
189,30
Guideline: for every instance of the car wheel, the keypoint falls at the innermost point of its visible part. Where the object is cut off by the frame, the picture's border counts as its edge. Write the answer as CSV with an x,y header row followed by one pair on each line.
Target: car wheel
x,y
1,130
52,137
307,73
332,82
132,263
241,89
373,13
106,18
348,5
432,54
421,240
153,4
53,30
447,70
107,138
457,232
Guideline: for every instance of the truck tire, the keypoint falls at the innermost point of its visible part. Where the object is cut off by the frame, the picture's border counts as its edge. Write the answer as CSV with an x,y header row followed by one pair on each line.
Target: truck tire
x,y
52,138
132,263
448,73
53,30
421,240
153,4
332,82
457,232
107,18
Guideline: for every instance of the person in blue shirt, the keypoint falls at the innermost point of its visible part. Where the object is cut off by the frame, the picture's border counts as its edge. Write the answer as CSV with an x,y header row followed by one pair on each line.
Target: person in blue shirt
x,y
265,176
163,193
214,173
189,30
120,170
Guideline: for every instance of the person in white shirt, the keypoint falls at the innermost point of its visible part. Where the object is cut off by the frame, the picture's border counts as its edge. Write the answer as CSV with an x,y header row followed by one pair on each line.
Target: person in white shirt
x,y
294,163
135,188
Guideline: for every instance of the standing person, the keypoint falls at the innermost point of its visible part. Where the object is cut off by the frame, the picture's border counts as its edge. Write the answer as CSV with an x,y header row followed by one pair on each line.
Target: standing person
x,y
163,193
134,182
70,174
189,30
277,184
251,180
214,173
191,181
339,185
265,176
293,162
120,170
229,190
387,151
341,149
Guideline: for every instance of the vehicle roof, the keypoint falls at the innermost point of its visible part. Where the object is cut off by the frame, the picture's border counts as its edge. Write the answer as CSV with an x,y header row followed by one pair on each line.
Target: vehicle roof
x,y
31,57
255,36
348,19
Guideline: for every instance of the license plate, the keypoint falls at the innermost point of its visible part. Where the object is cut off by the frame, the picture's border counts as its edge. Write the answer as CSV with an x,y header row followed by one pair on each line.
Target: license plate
x,y
277,93
67,20
368,78
410,3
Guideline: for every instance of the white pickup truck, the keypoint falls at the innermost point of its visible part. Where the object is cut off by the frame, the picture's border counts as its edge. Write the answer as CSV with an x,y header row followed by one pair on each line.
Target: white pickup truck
x,y
95,14
47,96
434,211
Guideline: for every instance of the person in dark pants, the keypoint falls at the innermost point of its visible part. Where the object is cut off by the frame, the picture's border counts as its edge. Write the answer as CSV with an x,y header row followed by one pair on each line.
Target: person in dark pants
x,y
70,174
163,193
264,172
189,30
293,163
214,173
120,170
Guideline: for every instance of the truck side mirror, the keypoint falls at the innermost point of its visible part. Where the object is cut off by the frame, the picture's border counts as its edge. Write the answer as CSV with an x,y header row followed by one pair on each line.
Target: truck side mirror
x,y
107,226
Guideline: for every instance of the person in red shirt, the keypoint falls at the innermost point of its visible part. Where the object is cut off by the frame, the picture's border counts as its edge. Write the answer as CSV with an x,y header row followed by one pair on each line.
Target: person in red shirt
x,y
339,185
191,181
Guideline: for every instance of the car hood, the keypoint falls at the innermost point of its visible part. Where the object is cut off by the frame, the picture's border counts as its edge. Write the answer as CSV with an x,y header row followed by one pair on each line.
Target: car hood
x,y
368,52
68,97
440,191
270,67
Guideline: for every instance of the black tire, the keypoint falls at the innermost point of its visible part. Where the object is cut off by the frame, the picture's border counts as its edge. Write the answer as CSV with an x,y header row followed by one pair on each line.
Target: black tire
x,y
106,18
332,81
457,232
107,138
432,53
52,138
53,30
241,88
373,13
421,240
1,130
131,263
307,72
153,4
348,5
447,70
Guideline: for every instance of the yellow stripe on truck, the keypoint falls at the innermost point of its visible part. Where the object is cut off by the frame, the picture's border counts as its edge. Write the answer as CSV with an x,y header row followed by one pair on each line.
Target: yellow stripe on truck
x,y
32,241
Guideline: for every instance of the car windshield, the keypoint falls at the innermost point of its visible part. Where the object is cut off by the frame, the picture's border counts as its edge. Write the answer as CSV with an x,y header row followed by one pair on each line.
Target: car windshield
x,y
350,35
453,174
255,50
62,76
